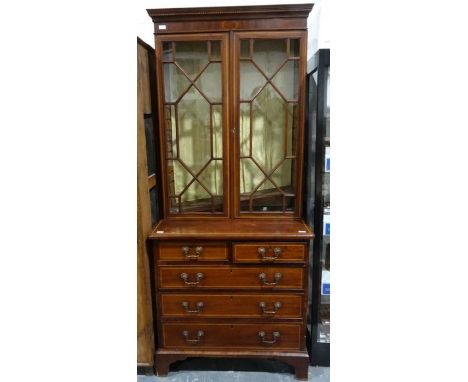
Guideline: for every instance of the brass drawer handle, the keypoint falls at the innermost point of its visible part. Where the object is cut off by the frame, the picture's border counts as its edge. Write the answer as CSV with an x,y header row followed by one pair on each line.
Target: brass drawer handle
x,y
186,252
199,306
262,252
198,278
277,277
276,306
276,336
200,335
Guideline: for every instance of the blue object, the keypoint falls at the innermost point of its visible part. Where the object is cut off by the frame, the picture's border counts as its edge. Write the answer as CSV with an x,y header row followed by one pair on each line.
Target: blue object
x,y
327,229
326,289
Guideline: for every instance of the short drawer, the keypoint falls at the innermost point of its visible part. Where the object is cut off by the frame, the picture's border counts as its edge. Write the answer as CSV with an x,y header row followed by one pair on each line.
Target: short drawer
x,y
182,251
232,336
231,305
269,252
177,277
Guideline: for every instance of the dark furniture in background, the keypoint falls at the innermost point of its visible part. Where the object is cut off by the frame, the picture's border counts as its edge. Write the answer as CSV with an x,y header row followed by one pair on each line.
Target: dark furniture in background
x,y
318,214
230,261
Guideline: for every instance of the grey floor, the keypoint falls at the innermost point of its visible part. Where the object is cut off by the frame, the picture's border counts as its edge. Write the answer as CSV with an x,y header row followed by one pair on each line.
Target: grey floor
x,y
234,370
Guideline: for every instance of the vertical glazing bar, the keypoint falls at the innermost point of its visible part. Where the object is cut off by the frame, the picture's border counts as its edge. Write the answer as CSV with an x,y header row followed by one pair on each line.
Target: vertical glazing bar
x,y
250,129
288,47
209,50
211,131
286,111
251,46
176,117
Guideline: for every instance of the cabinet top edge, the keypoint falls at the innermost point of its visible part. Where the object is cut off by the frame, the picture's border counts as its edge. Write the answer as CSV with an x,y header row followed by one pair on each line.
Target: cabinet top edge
x,y
229,12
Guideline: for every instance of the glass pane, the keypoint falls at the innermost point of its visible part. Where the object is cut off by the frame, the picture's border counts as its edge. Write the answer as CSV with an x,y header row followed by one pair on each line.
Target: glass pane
x,y
179,177
269,113
193,115
194,126
168,52
212,177
244,129
284,176
192,56
154,206
150,153
294,47
269,54
267,198
327,106
268,132
217,123
209,82
175,82
290,203
323,332
251,82
215,51
217,204
195,199
245,49
171,131
292,129
250,176
286,80
174,205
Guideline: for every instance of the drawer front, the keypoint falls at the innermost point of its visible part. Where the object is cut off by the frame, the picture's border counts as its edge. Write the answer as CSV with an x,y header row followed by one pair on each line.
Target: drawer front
x,y
232,336
269,252
230,277
231,305
180,251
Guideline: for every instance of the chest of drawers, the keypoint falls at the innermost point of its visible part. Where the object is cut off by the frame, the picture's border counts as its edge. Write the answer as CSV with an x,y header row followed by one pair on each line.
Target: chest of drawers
x,y
223,289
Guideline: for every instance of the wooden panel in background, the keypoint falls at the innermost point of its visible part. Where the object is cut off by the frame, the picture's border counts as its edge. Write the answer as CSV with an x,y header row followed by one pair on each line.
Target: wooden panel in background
x,y
145,336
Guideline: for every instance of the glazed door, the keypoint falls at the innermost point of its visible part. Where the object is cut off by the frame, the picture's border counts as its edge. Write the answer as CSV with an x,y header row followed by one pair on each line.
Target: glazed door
x,y
192,79
269,74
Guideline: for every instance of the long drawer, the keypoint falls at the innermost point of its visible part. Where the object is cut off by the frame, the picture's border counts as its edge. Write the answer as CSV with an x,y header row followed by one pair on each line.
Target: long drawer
x,y
231,305
269,252
232,336
181,251
177,277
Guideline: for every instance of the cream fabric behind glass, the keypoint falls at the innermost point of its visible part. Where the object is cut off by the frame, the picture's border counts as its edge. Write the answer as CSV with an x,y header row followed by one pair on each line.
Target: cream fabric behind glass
x,y
193,114
194,145
269,114
268,124
267,144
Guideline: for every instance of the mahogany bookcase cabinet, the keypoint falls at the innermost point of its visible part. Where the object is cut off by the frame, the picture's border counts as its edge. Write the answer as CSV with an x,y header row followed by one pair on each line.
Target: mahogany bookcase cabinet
x,y
230,256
